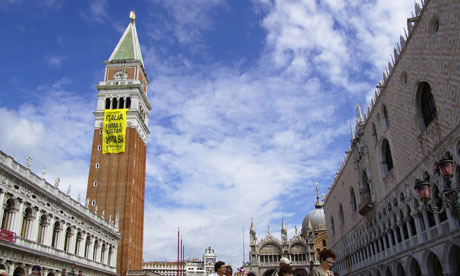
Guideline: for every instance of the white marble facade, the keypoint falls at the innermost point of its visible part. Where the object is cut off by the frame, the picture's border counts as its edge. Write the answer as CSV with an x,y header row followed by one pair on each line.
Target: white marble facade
x,y
52,229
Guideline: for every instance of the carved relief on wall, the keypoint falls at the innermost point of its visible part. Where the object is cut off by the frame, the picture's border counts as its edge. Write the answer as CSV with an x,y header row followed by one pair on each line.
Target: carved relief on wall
x,y
270,249
121,75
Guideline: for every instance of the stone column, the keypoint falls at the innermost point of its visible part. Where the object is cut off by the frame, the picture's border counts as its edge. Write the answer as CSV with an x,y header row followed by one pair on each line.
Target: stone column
x,y
11,268
49,232
2,210
418,226
61,236
72,240
91,250
35,226
10,215
96,254
401,235
81,247
113,262
18,217
385,241
58,239
106,254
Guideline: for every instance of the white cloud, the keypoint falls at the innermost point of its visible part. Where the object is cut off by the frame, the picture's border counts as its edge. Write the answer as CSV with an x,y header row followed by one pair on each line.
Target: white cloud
x,y
189,19
56,131
97,11
55,61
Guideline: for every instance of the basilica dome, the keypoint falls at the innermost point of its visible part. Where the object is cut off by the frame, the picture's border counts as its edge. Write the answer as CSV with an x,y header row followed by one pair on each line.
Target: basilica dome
x,y
316,218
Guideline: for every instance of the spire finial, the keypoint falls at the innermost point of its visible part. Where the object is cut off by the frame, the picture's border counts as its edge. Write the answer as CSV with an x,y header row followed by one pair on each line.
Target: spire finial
x,y
351,130
132,15
283,226
359,115
317,196
318,202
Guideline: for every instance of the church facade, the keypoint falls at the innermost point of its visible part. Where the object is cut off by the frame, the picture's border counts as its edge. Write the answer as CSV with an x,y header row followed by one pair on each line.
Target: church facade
x,y
265,255
393,207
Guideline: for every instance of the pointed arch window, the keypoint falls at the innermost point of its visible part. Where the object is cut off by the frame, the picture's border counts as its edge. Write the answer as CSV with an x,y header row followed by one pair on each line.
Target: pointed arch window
x,y
426,104
386,119
387,159
411,221
375,138
342,219
365,190
352,200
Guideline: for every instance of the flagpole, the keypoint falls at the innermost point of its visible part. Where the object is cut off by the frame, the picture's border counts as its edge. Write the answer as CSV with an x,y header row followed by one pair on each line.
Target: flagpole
x,y
181,256
178,232
183,259
243,247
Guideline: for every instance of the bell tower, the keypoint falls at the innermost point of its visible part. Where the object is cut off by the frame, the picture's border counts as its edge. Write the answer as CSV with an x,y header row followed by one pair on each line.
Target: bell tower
x,y
116,180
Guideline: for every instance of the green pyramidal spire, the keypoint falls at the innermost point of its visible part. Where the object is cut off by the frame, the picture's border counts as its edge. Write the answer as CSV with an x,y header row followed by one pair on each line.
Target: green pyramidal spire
x,y
128,47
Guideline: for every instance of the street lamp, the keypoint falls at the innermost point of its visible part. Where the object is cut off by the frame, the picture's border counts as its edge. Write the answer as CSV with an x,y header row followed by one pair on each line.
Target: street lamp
x,y
450,197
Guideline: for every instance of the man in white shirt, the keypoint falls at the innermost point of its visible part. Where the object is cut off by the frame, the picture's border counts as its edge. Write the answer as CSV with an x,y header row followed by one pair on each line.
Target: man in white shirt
x,y
219,269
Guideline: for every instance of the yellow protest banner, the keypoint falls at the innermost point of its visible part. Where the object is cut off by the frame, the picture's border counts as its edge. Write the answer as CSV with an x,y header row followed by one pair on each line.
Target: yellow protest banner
x,y
114,131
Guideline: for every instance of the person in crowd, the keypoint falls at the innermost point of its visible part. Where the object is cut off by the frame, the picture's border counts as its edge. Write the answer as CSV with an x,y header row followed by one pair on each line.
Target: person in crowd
x,y
64,272
326,258
219,269
283,262
36,270
3,272
285,271
228,271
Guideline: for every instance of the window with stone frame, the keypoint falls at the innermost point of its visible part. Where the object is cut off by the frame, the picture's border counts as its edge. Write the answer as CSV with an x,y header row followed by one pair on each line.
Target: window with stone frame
x,y
341,217
387,160
386,119
352,200
426,106
375,138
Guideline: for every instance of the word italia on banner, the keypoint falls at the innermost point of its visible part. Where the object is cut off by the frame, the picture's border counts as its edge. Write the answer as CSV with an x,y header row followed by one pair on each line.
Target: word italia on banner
x,y
114,131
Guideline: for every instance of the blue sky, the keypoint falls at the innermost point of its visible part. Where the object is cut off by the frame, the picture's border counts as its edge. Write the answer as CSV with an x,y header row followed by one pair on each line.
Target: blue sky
x,y
251,103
